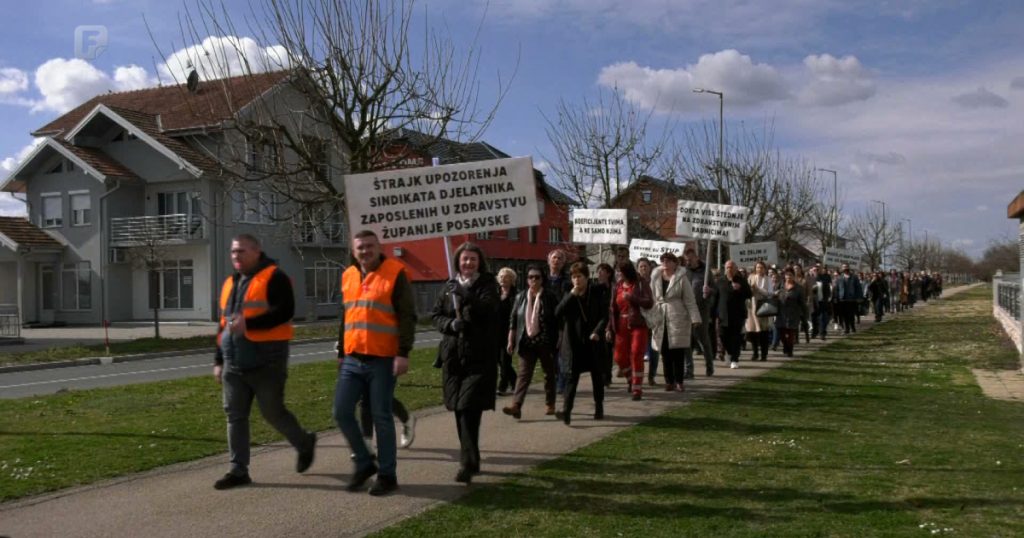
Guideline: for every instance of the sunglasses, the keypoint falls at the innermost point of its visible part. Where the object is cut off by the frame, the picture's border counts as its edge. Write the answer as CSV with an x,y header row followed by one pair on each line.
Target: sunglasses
x,y
534,277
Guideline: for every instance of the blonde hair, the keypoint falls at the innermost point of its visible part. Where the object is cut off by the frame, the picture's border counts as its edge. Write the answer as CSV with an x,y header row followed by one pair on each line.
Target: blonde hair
x,y
507,271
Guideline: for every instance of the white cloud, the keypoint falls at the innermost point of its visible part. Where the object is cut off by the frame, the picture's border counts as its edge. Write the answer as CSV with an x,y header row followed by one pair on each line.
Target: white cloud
x,y
65,84
981,208
218,57
741,80
980,98
891,158
132,77
958,244
10,206
1017,83
12,81
836,81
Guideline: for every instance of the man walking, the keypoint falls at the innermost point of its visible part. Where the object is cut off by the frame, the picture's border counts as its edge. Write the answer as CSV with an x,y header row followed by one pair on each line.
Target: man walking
x,y
256,305
699,333
848,293
731,292
376,335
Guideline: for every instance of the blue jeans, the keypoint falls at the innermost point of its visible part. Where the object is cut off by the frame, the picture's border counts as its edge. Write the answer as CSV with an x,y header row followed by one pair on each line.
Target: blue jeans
x,y
652,359
376,377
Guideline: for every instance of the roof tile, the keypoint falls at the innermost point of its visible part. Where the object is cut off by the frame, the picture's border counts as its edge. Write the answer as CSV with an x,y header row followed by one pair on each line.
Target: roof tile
x,y
24,233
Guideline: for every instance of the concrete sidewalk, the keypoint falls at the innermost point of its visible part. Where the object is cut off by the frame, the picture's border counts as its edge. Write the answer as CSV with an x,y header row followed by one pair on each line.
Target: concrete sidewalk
x,y
180,500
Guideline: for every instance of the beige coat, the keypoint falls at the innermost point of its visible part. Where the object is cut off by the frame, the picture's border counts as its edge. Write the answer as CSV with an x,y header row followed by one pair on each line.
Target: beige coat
x,y
675,310
758,324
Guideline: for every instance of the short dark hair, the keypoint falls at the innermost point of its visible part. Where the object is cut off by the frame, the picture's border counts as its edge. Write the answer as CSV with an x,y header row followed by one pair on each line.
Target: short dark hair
x,y
605,267
364,233
669,256
536,267
246,238
471,247
580,268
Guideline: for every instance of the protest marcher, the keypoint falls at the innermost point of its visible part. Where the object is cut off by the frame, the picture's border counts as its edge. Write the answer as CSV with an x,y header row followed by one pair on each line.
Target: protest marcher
x,y
675,313
759,327
926,286
466,315
893,281
626,324
731,293
776,284
376,335
533,332
792,310
651,356
507,294
904,291
605,273
848,294
400,412
700,334
256,309
806,284
583,315
878,294
557,282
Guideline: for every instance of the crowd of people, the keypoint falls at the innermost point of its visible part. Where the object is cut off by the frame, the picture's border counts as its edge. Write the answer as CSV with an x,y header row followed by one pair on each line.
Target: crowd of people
x,y
494,331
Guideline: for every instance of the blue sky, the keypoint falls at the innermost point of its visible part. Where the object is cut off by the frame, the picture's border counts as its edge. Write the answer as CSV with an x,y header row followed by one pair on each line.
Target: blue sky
x,y
916,102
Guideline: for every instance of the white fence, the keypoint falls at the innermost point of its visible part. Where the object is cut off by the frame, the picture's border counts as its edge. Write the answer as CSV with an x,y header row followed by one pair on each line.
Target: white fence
x,y
1006,306
10,321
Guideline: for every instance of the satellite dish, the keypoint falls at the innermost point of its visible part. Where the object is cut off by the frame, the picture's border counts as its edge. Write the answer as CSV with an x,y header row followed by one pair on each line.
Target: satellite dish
x,y
193,81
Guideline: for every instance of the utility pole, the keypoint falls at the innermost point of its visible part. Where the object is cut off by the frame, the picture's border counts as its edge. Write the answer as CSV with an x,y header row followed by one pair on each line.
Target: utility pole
x,y
720,164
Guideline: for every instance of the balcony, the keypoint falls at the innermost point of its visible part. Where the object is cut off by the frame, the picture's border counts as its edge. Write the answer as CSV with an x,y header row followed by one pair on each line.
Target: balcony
x,y
324,234
162,229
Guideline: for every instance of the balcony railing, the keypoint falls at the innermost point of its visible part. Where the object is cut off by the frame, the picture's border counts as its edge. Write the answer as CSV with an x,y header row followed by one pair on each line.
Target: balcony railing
x,y
10,321
1007,295
330,233
162,229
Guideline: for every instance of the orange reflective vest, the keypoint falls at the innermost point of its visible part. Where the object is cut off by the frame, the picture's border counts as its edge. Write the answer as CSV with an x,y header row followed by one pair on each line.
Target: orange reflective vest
x,y
254,304
371,326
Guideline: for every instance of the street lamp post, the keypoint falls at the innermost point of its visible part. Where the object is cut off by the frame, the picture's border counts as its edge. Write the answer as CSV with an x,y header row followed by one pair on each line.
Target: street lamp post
x,y
882,261
835,204
719,164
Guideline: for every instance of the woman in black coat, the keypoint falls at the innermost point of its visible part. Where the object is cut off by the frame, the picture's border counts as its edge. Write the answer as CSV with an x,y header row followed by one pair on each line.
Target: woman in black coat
x,y
792,309
583,315
469,350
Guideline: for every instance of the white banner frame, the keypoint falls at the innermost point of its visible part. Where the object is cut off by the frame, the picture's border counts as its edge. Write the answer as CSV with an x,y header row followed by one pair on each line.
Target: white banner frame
x,y
600,226
411,204
716,222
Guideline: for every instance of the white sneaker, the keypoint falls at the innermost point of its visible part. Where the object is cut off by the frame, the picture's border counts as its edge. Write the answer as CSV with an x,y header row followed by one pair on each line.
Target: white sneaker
x,y
734,365
408,432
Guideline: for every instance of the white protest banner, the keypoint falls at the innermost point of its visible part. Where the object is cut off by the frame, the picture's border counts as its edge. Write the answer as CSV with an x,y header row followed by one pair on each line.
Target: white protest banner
x,y
747,255
834,257
420,203
599,226
703,220
646,248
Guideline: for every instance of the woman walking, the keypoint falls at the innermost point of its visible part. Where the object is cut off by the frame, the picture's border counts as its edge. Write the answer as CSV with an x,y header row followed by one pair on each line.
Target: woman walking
x,y
644,266
533,332
605,273
626,324
792,309
759,328
675,315
507,296
583,314
466,314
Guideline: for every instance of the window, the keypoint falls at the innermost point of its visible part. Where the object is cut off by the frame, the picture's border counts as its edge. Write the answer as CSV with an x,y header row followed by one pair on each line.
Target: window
x,y
255,207
320,224
646,196
81,208
63,165
513,234
49,286
76,286
53,211
322,282
483,235
263,154
171,285
532,231
554,235
540,206
319,159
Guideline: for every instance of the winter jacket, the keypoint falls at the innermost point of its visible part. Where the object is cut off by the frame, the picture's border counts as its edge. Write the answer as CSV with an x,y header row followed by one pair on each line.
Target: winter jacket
x,y
731,303
640,299
676,309
470,356
580,317
792,308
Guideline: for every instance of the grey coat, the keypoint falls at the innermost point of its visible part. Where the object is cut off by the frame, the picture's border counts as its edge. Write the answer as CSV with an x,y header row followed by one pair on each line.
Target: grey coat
x,y
676,309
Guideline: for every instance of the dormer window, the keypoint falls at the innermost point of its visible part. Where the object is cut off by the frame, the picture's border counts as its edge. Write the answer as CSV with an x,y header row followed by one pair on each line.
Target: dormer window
x,y
124,135
63,165
645,196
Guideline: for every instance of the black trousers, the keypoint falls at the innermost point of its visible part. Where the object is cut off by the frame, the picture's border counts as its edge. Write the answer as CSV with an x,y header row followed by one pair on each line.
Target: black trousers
x,y
507,373
848,310
366,414
761,341
596,379
467,422
732,339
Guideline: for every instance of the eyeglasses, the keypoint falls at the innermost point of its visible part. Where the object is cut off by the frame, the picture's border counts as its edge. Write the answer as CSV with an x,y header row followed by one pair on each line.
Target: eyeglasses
x,y
534,277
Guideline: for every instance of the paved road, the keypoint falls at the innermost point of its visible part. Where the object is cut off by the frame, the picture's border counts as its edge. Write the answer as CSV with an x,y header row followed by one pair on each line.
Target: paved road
x,y
50,381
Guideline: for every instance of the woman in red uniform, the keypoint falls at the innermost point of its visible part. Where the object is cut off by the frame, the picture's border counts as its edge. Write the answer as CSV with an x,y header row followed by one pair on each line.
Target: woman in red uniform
x,y
626,324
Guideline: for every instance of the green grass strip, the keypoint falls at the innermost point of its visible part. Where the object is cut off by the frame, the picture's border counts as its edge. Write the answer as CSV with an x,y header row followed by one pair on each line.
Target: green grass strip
x,y
53,442
885,433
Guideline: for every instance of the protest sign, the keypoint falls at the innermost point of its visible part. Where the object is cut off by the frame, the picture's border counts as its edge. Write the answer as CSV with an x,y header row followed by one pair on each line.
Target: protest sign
x,y
703,220
834,257
645,248
420,203
749,254
599,226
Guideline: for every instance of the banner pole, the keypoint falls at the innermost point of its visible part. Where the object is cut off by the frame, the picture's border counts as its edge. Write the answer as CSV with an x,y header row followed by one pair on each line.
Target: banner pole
x,y
436,161
707,265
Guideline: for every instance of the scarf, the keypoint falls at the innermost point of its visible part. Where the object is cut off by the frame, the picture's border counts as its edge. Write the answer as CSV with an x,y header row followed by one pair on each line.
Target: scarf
x,y
532,313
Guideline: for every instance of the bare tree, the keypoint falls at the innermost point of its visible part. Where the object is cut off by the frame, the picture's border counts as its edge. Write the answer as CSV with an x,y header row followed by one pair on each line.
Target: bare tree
x,y
601,147
360,82
798,189
149,245
872,234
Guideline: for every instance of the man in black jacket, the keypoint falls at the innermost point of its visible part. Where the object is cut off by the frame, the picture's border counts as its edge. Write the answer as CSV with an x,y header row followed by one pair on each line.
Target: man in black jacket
x,y
731,292
699,333
257,305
